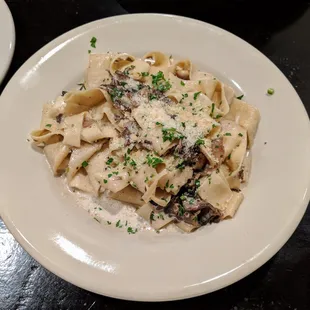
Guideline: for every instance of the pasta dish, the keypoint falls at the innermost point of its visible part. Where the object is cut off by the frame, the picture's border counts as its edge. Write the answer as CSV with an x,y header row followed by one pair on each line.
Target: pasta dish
x,y
155,132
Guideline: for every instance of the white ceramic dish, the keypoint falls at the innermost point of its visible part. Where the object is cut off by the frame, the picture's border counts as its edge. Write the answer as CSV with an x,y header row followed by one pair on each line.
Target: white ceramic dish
x,y
7,38
145,266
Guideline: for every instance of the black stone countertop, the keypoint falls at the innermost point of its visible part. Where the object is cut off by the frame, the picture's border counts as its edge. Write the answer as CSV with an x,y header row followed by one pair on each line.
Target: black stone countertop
x,y
279,30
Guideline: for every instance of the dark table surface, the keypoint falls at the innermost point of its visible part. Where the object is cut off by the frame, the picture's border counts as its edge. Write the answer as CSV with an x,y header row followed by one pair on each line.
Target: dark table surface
x,y
278,30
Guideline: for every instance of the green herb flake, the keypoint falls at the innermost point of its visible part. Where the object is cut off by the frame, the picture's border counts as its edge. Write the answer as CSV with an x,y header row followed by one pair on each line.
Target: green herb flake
x,y
118,223
109,161
153,161
48,125
183,124
180,165
93,42
212,109
131,231
133,163
197,183
109,223
171,186
152,97
89,51
145,74
240,134
270,91
227,134
105,181
170,134
84,164
181,210
200,142
146,180
240,97
196,95
109,175
228,157
218,116
152,218
182,83
183,197
159,82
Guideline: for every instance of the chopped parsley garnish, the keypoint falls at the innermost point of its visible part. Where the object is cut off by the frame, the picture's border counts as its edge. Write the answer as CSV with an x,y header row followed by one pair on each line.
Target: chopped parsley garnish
x,y
191,104
115,172
153,161
151,97
48,125
240,97
197,183
240,134
116,93
183,197
183,124
180,165
196,95
270,91
123,83
133,163
105,181
159,124
84,164
152,216
63,92
118,224
229,156
109,161
109,175
209,179
131,231
89,51
227,134
160,215
212,109
93,42
169,134
159,82
146,180
181,210
199,82
171,186
200,142
218,116
167,184
82,86
109,223
145,74
182,83
127,158
183,97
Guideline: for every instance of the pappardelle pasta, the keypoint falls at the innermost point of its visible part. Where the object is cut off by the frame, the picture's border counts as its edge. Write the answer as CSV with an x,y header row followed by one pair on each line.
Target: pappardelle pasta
x,y
155,132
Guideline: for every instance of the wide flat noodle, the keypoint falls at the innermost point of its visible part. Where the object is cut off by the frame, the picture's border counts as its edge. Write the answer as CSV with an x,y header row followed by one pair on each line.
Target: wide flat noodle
x,y
55,154
72,129
130,195
80,101
79,156
246,116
